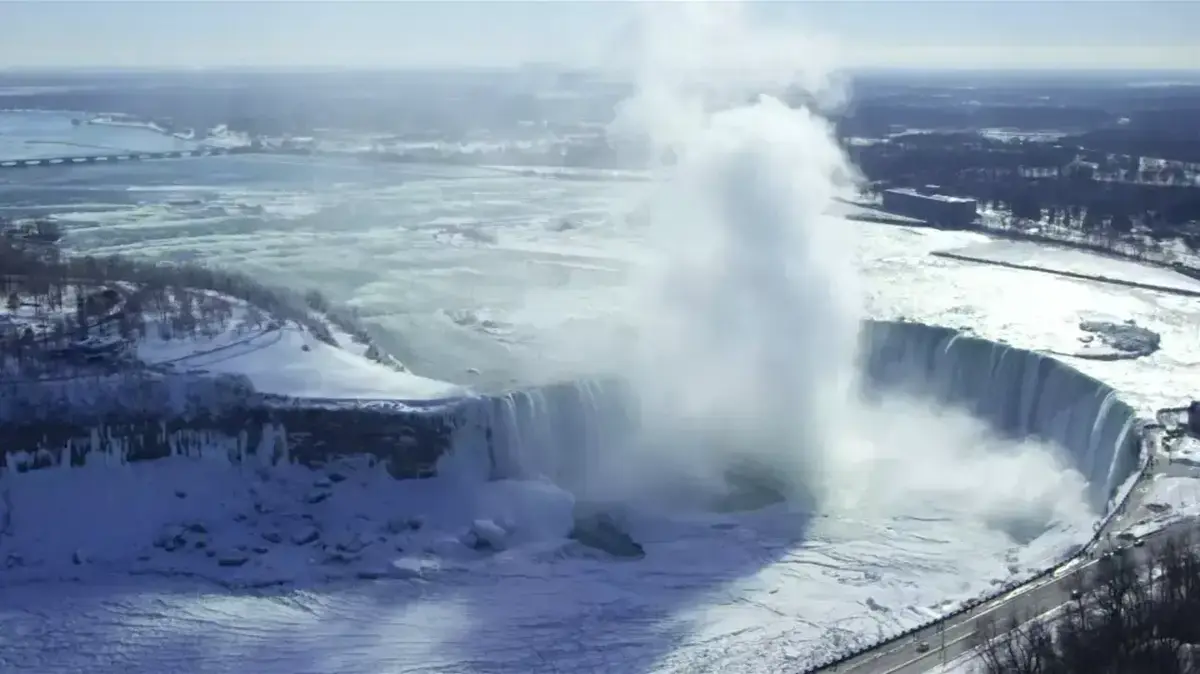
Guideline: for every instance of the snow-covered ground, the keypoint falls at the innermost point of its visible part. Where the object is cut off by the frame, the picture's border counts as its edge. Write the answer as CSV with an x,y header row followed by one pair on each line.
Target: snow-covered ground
x,y
702,600
966,664
288,360
1186,451
291,361
262,524
1168,499
473,268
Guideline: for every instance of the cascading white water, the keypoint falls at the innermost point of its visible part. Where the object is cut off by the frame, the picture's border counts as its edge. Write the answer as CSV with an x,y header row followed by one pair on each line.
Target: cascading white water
x,y
558,432
1020,394
565,432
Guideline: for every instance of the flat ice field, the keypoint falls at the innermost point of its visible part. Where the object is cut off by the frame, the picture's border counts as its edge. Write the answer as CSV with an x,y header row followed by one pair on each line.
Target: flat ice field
x,y
478,277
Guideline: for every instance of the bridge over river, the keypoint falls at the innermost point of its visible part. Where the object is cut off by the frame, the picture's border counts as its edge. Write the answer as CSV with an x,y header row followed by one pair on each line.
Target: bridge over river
x,y
127,156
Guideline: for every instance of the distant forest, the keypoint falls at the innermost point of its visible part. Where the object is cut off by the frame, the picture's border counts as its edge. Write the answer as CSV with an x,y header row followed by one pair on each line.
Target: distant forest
x,y
430,105
1101,155
1124,116
1062,182
1110,153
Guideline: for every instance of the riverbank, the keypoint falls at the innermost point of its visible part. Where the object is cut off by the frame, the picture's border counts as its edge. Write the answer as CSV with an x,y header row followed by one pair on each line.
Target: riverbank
x,y
1180,260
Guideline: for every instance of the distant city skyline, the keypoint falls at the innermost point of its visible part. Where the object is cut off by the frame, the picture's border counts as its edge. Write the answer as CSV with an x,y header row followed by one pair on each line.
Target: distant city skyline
x,y
909,34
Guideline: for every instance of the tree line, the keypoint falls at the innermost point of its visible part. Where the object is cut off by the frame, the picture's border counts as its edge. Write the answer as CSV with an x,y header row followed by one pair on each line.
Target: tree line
x,y
1127,617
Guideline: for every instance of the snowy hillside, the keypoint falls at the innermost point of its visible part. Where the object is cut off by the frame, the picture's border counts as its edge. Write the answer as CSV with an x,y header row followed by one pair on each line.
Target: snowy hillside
x,y
63,343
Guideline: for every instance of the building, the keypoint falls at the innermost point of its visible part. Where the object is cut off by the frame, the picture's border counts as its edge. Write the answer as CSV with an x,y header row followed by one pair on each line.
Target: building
x,y
926,204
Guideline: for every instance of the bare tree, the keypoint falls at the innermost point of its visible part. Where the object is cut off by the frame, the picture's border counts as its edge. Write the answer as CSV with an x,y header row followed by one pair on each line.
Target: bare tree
x,y
1128,617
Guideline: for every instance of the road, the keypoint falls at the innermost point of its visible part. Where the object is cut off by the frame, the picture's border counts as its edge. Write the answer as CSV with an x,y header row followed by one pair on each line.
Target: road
x,y
1094,278
959,634
954,638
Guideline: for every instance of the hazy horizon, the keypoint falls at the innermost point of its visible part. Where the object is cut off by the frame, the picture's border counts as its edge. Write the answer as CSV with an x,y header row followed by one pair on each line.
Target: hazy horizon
x,y
912,35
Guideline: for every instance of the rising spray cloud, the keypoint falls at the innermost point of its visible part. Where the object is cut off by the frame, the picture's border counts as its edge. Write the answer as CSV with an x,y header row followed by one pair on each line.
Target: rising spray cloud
x,y
747,319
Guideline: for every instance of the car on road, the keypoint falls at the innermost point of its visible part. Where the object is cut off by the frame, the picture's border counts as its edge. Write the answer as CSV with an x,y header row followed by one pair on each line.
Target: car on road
x,y
1139,543
923,647
1075,595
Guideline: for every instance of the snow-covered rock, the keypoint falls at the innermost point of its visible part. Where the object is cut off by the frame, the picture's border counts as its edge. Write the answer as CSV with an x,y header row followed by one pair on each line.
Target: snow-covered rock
x,y
527,510
306,535
486,535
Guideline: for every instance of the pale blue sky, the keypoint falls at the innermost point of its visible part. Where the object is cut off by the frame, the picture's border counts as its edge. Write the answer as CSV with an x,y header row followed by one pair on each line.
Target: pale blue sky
x,y
879,33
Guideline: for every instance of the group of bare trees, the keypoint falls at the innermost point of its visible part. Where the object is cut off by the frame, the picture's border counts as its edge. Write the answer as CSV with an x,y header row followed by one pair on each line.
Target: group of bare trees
x,y
1128,617
41,279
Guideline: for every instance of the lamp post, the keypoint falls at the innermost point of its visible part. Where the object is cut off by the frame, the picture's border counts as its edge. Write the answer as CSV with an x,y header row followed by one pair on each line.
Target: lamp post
x,y
942,628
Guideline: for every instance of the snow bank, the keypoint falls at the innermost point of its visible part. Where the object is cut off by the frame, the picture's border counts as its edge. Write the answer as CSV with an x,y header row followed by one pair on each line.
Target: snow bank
x,y
528,510
1020,393
291,361
255,521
